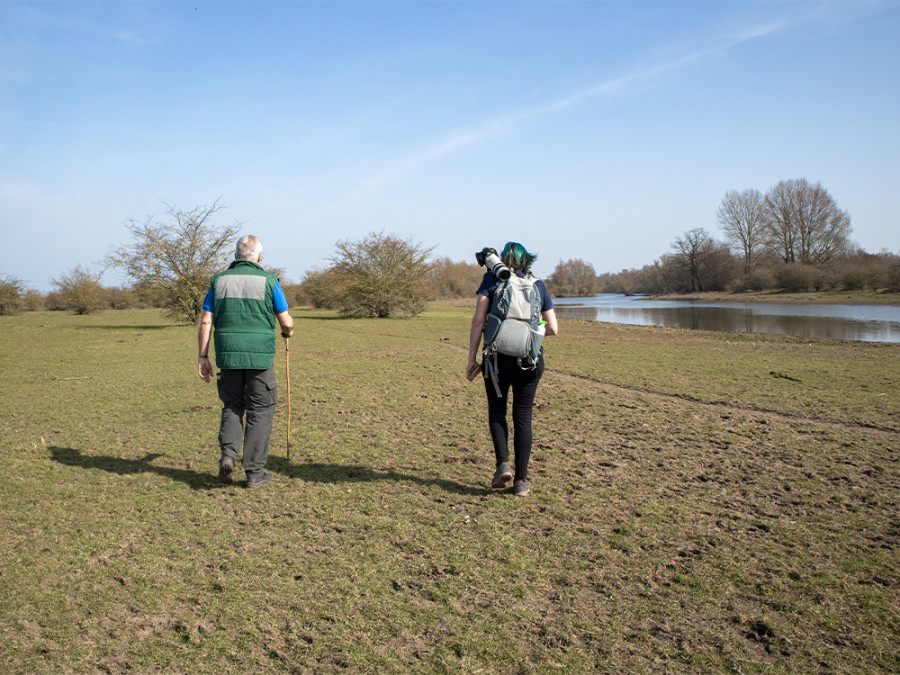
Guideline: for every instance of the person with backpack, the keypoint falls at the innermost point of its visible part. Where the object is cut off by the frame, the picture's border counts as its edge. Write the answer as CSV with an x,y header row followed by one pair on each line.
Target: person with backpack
x,y
513,312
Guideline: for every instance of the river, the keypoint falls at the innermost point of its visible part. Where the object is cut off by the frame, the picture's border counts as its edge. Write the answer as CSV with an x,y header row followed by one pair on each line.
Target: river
x,y
866,323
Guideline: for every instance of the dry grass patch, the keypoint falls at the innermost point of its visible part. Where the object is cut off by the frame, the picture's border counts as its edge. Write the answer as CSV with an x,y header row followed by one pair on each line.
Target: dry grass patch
x,y
689,513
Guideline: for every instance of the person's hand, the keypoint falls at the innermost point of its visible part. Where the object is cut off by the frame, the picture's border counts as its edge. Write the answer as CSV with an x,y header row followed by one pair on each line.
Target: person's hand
x,y
472,369
204,368
287,333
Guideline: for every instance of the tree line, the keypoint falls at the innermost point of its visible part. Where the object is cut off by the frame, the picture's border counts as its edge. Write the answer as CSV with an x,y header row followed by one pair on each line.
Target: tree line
x,y
792,238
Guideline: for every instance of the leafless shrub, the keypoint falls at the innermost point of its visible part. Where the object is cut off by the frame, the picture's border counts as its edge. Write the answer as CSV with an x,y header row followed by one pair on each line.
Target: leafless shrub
x,y
11,292
448,279
80,291
177,256
573,278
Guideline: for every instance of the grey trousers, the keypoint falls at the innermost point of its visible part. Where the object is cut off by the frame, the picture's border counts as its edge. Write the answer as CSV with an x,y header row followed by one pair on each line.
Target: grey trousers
x,y
253,393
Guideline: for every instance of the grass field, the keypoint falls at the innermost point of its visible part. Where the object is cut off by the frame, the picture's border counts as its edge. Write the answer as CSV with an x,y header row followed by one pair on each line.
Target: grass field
x,y
701,502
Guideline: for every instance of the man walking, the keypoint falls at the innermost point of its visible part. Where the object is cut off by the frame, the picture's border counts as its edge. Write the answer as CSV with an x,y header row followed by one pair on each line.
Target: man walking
x,y
243,304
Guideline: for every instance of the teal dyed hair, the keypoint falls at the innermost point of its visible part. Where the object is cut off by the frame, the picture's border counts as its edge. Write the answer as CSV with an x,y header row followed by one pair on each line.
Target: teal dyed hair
x,y
516,255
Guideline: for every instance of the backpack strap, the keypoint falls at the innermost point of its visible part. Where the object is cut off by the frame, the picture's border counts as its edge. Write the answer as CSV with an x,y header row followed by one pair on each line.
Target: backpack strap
x,y
527,363
490,369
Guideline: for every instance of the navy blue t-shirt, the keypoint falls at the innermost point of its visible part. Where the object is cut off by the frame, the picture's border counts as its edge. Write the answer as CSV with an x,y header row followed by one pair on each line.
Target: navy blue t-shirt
x,y
489,284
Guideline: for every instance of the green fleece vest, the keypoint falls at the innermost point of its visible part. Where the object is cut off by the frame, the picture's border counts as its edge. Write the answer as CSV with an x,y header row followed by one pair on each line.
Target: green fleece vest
x,y
243,317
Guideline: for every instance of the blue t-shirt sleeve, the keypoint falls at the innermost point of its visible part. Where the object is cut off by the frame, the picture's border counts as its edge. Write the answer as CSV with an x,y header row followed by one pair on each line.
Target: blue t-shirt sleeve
x,y
279,302
488,285
546,300
210,300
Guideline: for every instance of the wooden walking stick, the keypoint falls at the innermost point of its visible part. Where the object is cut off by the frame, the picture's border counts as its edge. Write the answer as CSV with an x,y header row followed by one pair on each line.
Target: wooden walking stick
x,y
287,367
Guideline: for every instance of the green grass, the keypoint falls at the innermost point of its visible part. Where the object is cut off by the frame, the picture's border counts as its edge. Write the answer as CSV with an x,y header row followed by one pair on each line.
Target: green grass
x,y
690,511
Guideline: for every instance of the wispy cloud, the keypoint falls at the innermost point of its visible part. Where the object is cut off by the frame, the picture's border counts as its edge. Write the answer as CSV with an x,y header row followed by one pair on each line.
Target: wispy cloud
x,y
644,75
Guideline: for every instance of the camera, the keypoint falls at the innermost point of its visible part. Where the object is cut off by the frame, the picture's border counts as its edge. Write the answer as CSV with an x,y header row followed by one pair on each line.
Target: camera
x,y
487,257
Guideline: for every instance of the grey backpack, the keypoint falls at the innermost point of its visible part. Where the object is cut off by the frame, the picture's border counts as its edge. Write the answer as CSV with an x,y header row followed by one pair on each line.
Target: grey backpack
x,y
513,325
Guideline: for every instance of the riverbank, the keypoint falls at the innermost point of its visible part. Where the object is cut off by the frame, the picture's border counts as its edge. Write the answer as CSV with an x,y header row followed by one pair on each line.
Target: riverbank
x,y
701,502
818,297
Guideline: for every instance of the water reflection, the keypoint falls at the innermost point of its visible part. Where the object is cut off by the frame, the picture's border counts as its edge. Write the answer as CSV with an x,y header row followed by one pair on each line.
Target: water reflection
x,y
865,323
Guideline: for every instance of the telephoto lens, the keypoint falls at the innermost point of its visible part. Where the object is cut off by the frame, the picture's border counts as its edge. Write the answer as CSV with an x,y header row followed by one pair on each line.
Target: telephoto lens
x,y
495,265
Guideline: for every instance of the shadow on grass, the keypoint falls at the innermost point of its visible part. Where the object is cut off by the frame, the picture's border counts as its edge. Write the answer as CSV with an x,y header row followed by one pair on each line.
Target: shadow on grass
x,y
72,457
131,327
313,473
349,473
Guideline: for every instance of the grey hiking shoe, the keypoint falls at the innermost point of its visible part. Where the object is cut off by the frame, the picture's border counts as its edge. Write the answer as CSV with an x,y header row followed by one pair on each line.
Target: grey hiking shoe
x,y
226,470
259,481
502,476
521,487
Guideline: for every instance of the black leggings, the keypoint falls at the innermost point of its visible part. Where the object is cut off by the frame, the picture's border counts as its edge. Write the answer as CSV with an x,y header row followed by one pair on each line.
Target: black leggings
x,y
524,385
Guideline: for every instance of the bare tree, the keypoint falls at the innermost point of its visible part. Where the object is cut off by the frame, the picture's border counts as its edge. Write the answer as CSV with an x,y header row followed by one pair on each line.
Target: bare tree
x,y
81,291
380,276
449,279
781,222
804,222
573,278
178,256
11,293
691,252
825,229
742,217
33,300
322,288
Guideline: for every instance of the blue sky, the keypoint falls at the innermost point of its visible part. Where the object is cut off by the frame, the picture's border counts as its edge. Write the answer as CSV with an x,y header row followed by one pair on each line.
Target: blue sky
x,y
592,130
